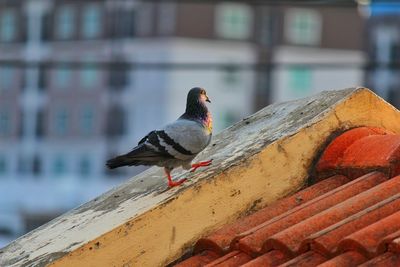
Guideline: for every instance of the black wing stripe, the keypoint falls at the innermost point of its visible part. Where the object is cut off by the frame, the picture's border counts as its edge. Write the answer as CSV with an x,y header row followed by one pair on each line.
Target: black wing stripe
x,y
172,143
152,138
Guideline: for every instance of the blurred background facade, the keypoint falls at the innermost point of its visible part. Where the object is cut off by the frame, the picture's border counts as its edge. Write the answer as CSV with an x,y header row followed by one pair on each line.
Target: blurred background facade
x,y
81,81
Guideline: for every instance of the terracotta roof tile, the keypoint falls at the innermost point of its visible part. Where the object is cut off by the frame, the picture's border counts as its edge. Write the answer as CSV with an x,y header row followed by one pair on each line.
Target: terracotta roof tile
x,y
339,221
383,151
234,258
394,246
220,240
253,240
200,259
335,150
289,240
310,258
347,259
326,240
366,240
272,258
383,260
390,242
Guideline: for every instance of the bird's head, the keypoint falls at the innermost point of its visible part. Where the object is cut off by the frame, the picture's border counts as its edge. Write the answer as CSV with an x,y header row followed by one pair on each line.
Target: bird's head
x,y
198,94
196,107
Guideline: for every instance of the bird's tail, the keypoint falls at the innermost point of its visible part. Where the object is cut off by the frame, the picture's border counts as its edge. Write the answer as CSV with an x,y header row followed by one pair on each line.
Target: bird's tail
x,y
140,155
118,161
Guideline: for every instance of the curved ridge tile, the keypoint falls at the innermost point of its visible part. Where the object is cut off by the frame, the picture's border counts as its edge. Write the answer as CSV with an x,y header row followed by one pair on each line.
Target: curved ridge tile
x,y
252,241
374,152
333,153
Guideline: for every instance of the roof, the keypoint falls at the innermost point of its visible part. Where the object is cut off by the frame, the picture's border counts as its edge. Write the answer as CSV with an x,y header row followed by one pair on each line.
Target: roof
x,y
265,157
350,216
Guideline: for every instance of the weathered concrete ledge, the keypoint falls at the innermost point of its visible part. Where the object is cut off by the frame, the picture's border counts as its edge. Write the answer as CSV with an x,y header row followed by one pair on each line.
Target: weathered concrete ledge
x,y
258,160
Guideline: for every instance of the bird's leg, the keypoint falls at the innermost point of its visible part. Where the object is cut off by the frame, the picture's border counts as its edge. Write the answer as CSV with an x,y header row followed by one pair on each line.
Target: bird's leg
x,y
170,182
200,164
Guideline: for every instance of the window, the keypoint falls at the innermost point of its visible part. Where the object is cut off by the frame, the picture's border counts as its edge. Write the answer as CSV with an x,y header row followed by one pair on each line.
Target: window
x,y
303,27
63,77
42,78
123,23
91,21
118,76
40,124
300,81
234,21
7,76
21,123
3,165
88,77
5,122
85,166
87,120
37,165
61,121
65,19
59,165
8,24
115,121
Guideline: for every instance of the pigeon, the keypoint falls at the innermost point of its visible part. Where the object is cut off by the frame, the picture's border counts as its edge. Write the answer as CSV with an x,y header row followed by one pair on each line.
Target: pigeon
x,y
177,143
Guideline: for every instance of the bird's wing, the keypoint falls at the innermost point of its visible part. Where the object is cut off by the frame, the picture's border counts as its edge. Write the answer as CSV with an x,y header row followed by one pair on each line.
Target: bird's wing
x,y
184,137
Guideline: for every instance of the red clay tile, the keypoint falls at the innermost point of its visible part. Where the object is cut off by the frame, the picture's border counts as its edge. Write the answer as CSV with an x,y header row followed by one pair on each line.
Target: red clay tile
x,y
367,239
383,260
310,258
289,240
347,259
394,246
390,242
219,241
374,152
232,259
335,150
252,241
199,260
272,258
326,241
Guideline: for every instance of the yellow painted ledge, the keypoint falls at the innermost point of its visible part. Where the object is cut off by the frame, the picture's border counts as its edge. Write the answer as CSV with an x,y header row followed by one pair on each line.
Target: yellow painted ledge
x,y
257,161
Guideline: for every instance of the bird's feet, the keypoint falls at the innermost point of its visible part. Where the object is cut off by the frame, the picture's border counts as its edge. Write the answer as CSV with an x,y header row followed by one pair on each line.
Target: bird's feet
x,y
195,166
172,183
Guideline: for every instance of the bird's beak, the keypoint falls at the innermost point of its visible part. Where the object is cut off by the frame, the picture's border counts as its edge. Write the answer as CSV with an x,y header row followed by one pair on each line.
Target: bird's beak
x,y
208,99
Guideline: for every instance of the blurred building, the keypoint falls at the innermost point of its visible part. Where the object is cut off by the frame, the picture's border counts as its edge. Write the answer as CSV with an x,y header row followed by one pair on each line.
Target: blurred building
x,y
383,49
59,123
328,39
